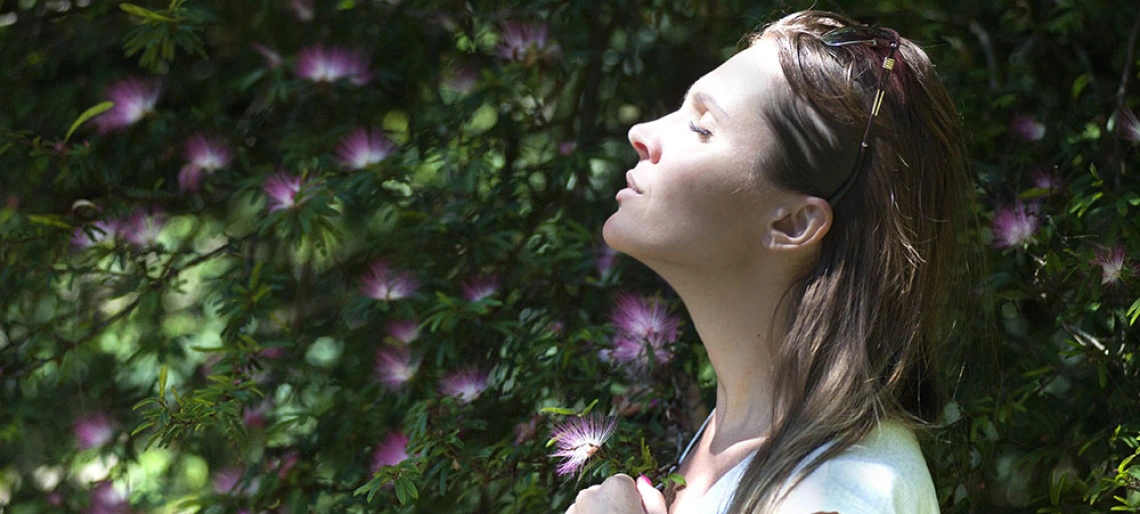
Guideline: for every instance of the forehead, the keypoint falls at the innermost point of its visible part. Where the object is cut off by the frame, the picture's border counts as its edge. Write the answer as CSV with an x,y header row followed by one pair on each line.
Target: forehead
x,y
750,81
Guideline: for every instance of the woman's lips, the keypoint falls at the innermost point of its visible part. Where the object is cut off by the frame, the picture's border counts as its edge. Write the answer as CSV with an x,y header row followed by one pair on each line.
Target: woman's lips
x,y
630,189
629,182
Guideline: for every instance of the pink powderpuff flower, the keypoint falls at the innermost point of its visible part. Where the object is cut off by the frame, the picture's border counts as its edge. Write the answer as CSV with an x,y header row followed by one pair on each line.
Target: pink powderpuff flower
x,y
460,78
301,9
391,451
1111,262
363,148
1128,125
526,430
466,385
577,440
526,42
105,498
384,283
567,147
606,260
480,287
254,417
205,155
1026,128
272,58
104,231
230,481
93,430
284,191
394,366
1014,226
636,352
404,331
1043,179
134,98
320,64
143,227
282,464
645,318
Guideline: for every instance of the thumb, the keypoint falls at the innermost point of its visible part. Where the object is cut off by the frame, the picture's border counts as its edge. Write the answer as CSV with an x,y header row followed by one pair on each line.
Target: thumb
x,y
651,499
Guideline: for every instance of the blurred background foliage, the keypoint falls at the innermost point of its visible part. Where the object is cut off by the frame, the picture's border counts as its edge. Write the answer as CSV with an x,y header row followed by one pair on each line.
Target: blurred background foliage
x,y
338,256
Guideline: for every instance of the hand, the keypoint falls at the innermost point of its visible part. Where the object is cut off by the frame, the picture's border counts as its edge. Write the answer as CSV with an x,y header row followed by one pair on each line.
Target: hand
x,y
619,494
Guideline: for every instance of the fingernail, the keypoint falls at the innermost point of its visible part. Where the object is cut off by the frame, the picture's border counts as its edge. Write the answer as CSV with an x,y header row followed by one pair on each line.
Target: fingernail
x,y
645,479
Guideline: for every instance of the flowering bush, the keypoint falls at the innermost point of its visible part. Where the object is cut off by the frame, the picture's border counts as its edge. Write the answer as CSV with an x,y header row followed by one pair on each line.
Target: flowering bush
x,y
344,256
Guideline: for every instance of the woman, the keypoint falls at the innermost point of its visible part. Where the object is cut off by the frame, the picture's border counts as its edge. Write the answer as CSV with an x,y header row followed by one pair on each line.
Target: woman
x,y
815,268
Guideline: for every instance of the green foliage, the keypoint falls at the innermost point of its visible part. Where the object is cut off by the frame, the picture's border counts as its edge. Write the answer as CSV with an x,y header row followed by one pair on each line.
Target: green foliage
x,y
216,348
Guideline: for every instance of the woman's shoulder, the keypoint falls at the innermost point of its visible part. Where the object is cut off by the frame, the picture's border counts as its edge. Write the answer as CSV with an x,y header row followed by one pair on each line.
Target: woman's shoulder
x,y
882,474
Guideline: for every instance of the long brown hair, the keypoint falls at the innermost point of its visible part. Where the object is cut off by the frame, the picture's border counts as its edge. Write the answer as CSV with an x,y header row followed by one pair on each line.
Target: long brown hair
x,y
866,322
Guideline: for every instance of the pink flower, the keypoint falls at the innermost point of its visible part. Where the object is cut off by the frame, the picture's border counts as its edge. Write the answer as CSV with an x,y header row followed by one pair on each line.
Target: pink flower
x,y
254,417
644,318
272,58
404,331
526,42
480,287
301,9
460,78
1111,262
606,260
394,366
284,191
391,451
93,430
645,330
384,283
283,463
1128,125
319,64
526,430
466,385
205,155
1043,179
579,438
1015,225
103,231
230,481
1027,128
363,148
134,98
105,498
567,147
143,227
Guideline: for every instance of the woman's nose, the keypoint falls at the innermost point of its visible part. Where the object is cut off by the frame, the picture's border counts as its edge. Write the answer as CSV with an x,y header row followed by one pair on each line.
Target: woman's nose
x,y
645,142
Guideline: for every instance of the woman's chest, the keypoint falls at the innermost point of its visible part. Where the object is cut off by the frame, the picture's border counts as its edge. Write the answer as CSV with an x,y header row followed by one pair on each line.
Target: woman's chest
x,y
710,480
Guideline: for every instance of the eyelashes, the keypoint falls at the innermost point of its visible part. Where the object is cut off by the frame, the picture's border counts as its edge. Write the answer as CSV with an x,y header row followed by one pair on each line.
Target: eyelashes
x,y
705,134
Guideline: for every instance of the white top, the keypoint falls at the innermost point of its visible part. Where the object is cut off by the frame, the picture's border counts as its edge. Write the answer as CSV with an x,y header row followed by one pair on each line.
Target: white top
x,y
884,473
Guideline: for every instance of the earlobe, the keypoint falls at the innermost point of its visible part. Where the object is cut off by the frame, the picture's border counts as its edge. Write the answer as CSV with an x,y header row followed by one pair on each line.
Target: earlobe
x,y
799,226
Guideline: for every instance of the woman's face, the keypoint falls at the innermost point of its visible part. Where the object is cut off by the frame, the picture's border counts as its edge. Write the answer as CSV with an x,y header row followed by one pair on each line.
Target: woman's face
x,y
697,195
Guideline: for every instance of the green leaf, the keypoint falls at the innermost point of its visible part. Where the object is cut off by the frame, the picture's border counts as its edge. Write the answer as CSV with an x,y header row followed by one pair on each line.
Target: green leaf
x,y
162,381
1079,85
92,112
146,424
558,410
145,14
1133,312
48,219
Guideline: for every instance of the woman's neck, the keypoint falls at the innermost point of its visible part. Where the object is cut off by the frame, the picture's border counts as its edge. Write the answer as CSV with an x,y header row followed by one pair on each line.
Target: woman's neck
x,y
733,311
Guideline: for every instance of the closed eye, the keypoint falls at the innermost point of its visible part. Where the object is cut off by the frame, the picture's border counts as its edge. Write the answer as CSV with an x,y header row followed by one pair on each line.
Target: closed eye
x,y
704,133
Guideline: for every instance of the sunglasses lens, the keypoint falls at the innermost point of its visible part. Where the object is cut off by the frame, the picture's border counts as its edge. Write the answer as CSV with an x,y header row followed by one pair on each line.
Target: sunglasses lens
x,y
857,34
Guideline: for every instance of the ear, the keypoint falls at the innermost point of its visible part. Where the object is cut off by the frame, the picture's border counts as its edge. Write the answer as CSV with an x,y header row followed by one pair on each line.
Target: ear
x,y
800,223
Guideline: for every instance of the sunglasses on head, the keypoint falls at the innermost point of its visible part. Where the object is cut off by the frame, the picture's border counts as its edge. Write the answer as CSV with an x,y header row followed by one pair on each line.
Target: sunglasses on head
x,y
864,35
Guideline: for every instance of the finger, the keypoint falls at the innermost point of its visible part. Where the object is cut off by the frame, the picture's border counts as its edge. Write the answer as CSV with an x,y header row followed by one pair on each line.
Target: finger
x,y
651,499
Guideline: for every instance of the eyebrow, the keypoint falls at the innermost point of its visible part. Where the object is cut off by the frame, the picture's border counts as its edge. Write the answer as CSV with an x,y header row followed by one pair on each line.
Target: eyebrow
x,y
706,99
